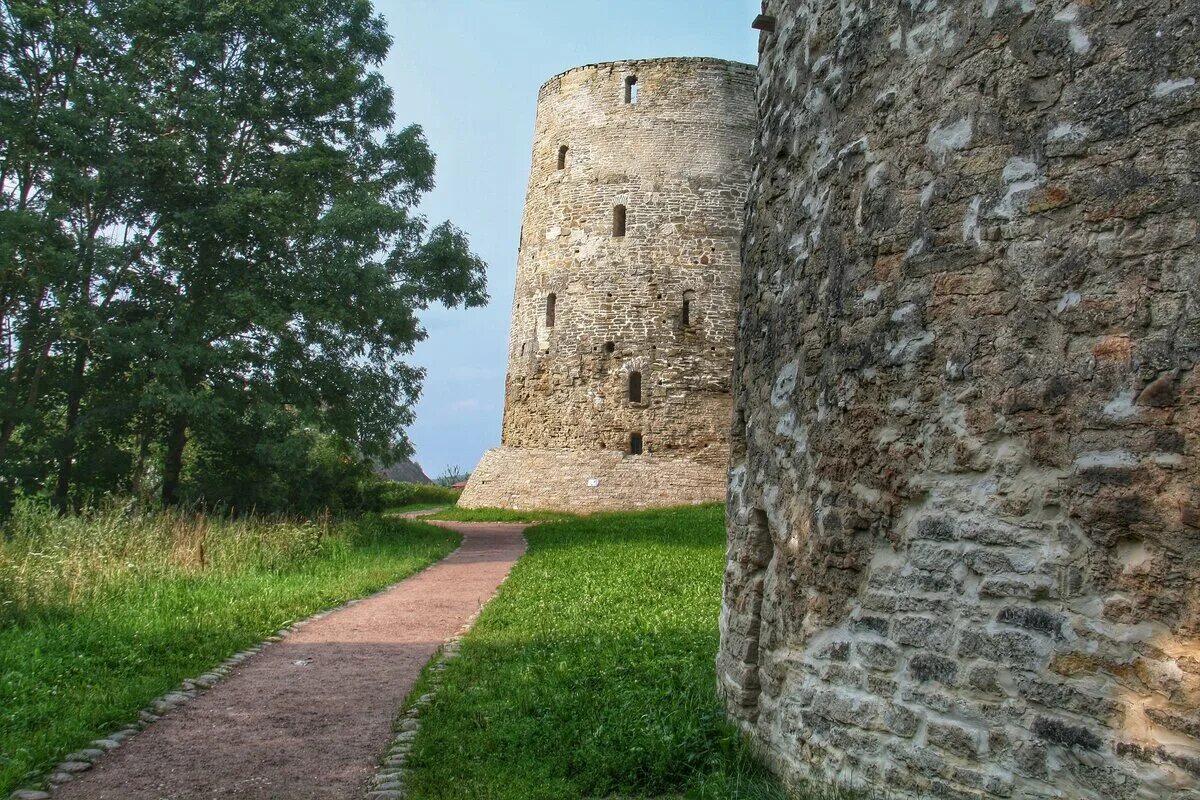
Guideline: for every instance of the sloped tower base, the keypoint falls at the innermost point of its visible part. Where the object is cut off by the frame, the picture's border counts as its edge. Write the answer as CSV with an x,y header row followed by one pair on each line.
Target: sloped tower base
x,y
569,480
619,388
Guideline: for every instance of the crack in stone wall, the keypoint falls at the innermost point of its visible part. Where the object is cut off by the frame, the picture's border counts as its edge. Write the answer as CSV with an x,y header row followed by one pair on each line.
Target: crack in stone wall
x,y
964,509
678,161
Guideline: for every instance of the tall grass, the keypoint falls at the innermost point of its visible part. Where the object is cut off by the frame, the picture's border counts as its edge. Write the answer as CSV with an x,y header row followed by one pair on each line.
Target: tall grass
x,y
48,561
103,612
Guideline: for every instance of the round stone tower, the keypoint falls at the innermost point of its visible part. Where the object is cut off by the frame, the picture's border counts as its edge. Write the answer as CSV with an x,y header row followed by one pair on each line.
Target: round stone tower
x,y
964,508
623,319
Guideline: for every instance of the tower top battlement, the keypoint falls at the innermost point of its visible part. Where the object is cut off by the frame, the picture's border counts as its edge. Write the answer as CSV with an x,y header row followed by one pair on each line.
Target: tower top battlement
x,y
682,63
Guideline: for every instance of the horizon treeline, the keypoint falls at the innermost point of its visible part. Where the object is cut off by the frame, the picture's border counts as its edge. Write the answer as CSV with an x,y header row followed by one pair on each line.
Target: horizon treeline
x,y
210,255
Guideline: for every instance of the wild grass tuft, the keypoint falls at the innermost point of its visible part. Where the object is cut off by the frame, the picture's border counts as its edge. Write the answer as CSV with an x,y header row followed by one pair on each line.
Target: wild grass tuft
x,y
410,508
591,674
51,561
101,613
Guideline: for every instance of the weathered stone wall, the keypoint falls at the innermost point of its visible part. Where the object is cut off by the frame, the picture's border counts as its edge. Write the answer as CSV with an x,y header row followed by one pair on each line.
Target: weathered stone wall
x,y
677,159
586,481
965,499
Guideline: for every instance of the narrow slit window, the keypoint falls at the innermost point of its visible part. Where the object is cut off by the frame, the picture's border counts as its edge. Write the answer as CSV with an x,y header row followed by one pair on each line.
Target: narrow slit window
x,y
635,444
551,302
618,220
686,315
562,157
635,387
631,89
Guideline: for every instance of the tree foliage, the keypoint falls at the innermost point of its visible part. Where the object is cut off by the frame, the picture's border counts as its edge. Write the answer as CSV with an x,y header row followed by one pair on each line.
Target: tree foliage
x,y
451,476
211,258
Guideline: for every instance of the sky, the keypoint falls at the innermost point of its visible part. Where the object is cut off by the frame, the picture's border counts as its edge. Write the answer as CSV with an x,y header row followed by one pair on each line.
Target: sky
x,y
468,72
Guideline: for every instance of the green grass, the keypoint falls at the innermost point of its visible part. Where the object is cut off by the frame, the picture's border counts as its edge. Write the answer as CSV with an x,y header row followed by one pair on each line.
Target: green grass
x,y
591,674
99,615
456,514
411,507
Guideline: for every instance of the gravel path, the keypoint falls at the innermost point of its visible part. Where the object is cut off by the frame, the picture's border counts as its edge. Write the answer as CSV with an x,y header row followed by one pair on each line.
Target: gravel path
x,y
310,716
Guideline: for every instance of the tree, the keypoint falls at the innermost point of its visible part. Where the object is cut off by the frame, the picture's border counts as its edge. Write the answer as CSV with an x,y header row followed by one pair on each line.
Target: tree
x,y
451,476
224,228
65,229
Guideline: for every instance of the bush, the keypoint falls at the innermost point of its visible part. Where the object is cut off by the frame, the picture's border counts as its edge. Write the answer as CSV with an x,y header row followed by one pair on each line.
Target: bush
x,y
297,470
394,494
302,472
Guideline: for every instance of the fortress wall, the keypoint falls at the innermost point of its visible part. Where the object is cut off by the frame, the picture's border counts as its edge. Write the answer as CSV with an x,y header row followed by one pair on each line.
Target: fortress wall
x,y
529,478
677,159
965,503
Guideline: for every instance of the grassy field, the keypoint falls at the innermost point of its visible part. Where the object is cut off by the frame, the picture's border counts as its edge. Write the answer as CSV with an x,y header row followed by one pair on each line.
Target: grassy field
x,y
99,615
591,674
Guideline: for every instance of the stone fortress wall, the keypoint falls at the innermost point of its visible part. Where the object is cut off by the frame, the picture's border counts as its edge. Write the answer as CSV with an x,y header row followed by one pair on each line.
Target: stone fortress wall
x,y
965,499
634,209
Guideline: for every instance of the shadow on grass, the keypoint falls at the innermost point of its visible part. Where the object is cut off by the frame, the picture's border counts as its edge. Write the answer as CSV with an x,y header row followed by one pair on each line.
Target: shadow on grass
x,y
591,674
588,716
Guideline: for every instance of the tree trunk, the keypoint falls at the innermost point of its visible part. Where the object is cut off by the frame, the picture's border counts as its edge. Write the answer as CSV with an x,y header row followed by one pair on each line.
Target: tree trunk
x,y
66,455
28,335
173,459
31,397
145,435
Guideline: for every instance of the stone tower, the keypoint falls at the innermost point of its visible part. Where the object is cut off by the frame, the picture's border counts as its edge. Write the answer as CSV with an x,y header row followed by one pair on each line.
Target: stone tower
x,y
622,336
964,511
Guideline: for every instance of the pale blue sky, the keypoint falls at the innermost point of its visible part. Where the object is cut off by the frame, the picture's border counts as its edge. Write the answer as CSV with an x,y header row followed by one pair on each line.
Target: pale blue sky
x,y
468,71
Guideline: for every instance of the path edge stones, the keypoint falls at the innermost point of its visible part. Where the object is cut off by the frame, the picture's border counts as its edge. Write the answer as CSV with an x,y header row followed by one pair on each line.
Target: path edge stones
x,y
390,779
79,761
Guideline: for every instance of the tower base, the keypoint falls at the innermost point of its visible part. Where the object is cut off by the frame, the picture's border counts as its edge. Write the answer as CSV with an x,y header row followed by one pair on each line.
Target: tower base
x,y
570,480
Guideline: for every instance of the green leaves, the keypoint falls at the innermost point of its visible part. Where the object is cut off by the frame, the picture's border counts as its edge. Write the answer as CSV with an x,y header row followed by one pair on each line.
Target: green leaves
x,y
203,207
444,270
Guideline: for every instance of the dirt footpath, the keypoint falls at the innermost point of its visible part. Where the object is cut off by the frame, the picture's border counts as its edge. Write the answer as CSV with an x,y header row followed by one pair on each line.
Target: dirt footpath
x,y
310,716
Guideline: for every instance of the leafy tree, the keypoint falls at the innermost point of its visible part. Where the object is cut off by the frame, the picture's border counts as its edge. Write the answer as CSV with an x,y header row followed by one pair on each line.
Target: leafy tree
x,y
207,222
65,225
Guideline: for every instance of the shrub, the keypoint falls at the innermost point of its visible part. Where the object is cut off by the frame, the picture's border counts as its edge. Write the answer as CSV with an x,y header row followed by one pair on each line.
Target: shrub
x,y
394,494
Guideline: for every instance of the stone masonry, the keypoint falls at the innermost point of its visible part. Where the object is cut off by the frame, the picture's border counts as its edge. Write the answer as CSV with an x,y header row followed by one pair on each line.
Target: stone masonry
x,y
964,509
634,211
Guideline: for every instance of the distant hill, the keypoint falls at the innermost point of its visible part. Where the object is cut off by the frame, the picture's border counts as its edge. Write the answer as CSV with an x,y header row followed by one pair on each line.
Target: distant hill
x,y
406,471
